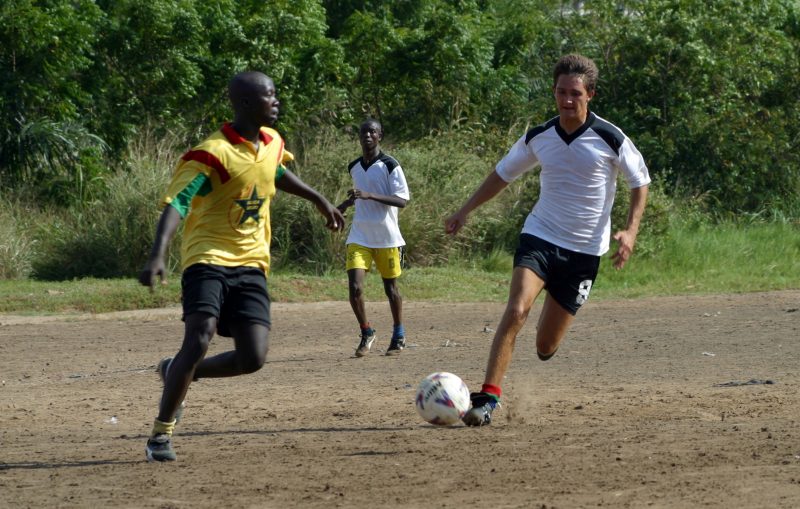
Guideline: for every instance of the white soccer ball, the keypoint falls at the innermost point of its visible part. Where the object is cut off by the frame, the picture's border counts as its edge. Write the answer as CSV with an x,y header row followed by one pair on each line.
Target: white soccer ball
x,y
442,398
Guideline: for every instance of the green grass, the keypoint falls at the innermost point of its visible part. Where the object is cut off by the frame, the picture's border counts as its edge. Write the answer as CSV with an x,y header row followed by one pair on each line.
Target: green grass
x,y
711,259
698,260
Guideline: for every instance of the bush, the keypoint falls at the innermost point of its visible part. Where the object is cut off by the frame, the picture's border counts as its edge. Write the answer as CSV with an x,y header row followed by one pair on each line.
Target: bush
x,y
112,235
442,172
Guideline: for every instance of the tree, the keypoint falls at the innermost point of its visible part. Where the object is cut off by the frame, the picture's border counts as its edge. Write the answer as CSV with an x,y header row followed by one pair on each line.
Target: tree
x,y
45,47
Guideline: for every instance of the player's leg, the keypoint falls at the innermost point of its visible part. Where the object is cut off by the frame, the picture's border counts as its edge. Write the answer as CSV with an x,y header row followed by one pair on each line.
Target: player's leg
x,y
251,342
568,289
525,287
398,341
359,259
198,331
355,288
388,261
554,322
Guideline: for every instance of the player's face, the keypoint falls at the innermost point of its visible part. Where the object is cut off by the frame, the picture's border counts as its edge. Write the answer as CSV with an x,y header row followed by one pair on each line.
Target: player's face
x,y
265,103
572,99
370,135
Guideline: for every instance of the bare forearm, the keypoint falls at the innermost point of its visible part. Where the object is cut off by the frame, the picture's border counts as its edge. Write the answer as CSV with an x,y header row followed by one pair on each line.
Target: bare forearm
x,y
167,226
636,210
490,188
291,184
392,201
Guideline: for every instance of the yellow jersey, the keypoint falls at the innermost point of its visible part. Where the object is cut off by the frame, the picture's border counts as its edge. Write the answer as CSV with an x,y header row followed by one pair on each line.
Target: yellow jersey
x,y
223,188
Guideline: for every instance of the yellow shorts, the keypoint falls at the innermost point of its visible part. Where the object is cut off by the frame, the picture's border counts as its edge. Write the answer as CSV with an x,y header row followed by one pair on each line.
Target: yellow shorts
x,y
387,259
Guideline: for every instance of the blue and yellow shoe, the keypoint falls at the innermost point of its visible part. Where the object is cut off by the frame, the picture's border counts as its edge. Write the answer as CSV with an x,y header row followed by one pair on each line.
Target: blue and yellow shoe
x,y
159,448
483,404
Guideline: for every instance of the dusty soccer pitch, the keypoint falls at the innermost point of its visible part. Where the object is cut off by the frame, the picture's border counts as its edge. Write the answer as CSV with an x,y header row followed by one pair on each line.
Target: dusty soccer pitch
x,y
671,402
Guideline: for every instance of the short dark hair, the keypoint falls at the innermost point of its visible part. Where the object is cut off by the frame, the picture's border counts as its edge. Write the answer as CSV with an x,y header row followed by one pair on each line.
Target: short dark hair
x,y
370,120
578,65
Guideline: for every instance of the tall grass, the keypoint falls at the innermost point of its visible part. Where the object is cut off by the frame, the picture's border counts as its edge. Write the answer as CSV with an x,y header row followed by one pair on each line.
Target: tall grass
x,y
17,240
110,235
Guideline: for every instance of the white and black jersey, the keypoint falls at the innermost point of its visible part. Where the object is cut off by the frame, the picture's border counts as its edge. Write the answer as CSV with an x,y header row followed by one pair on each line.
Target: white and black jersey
x,y
375,224
578,180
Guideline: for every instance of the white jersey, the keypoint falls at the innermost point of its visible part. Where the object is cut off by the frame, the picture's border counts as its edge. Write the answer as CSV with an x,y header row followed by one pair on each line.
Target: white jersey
x,y
375,224
578,180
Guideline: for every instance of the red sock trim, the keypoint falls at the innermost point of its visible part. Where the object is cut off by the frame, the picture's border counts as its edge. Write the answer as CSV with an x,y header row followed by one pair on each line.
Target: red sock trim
x,y
365,326
492,389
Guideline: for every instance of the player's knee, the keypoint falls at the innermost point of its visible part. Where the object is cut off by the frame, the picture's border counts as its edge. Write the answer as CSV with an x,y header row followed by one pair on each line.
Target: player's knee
x,y
252,363
195,346
392,292
517,315
356,288
251,360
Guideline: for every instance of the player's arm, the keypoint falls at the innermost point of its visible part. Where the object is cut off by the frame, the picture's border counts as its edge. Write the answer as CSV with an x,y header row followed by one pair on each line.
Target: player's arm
x,y
155,266
627,237
490,187
393,201
291,183
346,204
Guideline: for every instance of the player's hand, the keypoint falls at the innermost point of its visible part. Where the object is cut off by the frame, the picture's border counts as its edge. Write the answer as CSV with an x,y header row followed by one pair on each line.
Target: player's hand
x,y
334,219
349,202
152,271
454,223
626,241
358,194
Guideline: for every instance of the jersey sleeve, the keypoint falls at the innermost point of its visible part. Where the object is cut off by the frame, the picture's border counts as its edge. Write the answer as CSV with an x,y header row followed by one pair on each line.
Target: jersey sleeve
x,y
190,179
519,159
397,183
632,165
284,158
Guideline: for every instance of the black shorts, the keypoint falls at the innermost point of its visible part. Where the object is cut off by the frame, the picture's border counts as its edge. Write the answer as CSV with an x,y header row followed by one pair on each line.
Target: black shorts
x,y
568,276
231,294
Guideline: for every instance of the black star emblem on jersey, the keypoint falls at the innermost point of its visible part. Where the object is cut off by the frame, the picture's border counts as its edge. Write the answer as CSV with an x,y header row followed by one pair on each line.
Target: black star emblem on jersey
x,y
251,206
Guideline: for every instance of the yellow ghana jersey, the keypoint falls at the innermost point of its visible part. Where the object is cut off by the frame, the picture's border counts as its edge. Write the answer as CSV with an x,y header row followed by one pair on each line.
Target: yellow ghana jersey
x,y
223,188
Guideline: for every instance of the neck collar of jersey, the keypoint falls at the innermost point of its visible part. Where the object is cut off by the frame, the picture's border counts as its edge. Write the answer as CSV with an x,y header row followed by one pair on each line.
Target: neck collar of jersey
x,y
366,164
235,138
569,138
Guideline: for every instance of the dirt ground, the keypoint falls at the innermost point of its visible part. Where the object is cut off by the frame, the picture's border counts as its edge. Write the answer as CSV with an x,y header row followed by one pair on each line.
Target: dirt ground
x,y
633,411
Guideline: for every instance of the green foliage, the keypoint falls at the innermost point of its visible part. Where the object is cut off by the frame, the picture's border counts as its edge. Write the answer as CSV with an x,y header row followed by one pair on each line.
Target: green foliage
x,y
697,82
706,90
147,69
83,71
438,46
711,258
54,157
45,47
286,40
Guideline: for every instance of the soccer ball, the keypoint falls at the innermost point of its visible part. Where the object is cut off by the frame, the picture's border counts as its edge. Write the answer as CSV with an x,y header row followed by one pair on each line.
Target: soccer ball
x,y
442,399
